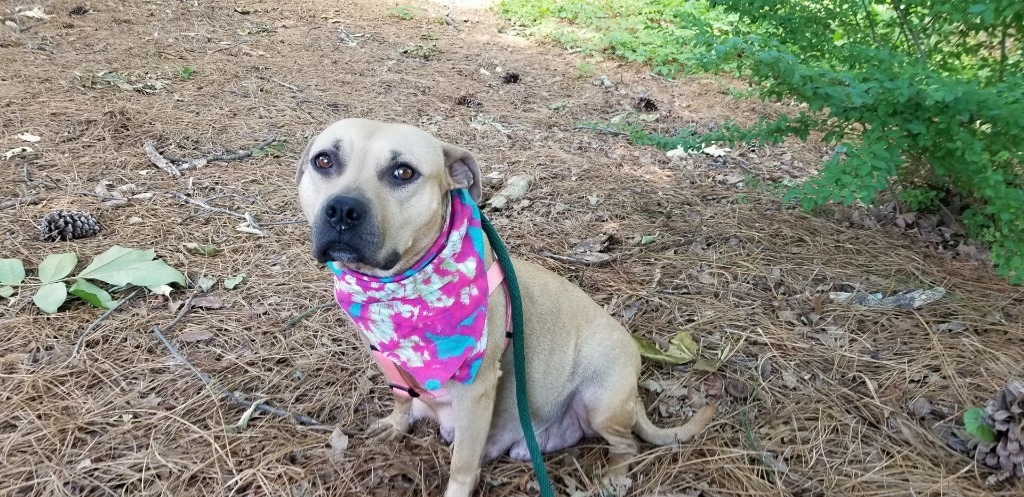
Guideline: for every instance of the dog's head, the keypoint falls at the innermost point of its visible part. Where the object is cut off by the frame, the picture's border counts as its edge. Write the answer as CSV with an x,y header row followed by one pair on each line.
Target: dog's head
x,y
375,194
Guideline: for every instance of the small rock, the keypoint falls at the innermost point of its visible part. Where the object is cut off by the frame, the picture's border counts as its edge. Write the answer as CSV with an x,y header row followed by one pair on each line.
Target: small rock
x,y
737,388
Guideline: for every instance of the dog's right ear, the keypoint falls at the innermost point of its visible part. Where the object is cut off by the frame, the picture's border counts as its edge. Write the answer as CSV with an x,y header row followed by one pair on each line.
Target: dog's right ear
x,y
303,161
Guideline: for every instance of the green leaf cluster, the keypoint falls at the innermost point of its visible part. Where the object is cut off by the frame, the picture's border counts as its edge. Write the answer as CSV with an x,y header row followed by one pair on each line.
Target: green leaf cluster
x,y
118,267
921,96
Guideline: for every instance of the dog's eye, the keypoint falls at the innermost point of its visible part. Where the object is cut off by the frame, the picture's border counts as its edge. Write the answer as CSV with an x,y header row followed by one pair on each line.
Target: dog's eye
x,y
404,173
323,161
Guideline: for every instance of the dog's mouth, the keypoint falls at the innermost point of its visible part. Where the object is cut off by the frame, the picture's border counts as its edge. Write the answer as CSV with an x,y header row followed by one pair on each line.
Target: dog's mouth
x,y
339,253
353,259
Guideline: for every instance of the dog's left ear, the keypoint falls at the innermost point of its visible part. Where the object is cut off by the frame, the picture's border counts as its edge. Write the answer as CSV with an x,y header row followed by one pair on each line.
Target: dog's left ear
x,y
303,161
463,171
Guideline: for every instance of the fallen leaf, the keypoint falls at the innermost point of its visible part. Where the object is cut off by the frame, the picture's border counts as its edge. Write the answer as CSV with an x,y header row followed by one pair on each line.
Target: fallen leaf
x,y
195,336
710,365
206,283
164,290
230,283
648,239
715,150
515,189
202,249
920,407
679,152
652,386
243,422
29,137
36,12
790,380
952,327
14,152
681,349
715,385
338,441
790,316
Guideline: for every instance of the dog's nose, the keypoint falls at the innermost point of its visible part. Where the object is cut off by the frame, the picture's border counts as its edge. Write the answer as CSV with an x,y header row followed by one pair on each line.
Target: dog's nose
x,y
345,212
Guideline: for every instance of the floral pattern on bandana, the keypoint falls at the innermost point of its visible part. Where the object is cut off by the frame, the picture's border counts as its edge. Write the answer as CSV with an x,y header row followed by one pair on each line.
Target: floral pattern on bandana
x,y
432,319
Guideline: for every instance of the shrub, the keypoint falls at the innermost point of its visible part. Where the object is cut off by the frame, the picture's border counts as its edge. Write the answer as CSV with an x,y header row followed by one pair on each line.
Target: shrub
x,y
920,94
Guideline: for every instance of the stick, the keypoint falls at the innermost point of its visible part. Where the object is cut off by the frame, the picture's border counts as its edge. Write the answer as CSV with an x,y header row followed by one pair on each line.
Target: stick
x,y
159,161
186,164
282,223
204,205
14,202
262,407
94,324
238,155
602,130
295,320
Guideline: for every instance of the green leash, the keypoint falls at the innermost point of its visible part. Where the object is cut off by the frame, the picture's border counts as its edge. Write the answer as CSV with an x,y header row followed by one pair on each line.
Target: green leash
x,y
519,355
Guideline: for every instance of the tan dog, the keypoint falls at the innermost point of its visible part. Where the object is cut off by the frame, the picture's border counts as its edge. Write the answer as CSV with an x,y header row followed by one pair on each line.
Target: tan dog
x,y
375,195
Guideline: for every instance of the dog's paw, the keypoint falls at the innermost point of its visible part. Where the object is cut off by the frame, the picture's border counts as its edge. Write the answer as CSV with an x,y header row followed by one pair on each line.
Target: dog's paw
x,y
617,484
388,429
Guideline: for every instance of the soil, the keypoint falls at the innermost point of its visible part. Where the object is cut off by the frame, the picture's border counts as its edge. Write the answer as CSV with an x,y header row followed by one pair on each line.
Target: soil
x,y
816,397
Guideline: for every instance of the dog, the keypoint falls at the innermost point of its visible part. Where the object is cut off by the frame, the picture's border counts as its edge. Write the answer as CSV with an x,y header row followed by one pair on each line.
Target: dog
x,y
379,197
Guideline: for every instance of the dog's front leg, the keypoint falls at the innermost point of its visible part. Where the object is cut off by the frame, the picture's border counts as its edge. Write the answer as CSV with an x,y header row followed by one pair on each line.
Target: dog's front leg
x,y
395,424
472,409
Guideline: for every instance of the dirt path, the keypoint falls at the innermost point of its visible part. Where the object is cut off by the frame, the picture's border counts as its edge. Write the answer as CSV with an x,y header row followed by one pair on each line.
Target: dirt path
x,y
833,405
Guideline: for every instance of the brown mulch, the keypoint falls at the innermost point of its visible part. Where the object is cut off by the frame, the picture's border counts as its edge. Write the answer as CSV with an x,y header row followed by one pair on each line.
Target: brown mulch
x,y
817,398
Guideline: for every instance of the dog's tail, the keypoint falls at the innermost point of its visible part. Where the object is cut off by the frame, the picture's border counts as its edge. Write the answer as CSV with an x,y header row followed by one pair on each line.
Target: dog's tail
x,y
666,436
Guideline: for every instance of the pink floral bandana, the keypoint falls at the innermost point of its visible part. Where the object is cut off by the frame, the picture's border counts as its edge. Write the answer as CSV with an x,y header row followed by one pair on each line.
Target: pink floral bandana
x,y
432,319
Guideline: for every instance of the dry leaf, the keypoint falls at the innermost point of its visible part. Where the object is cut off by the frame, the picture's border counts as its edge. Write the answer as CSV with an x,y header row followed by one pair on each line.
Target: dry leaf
x,y
339,444
14,152
29,137
790,380
715,151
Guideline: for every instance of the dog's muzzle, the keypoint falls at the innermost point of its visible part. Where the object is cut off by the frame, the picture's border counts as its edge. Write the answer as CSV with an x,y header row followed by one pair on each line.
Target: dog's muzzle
x,y
345,232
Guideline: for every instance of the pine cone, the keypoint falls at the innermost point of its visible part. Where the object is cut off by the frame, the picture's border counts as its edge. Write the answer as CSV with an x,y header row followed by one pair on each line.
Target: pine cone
x,y
68,225
1005,414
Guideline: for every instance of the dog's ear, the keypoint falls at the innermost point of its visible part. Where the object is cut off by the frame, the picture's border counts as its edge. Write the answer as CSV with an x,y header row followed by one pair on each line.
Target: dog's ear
x,y
303,161
463,171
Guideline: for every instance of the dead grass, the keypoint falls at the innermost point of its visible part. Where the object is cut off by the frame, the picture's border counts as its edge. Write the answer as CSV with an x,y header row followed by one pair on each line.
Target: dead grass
x,y
831,385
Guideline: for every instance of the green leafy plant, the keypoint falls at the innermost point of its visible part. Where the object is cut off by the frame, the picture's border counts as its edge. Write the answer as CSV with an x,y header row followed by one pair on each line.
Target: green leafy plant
x,y
119,267
186,72
404,12
907,93
585,69
974,423
920,198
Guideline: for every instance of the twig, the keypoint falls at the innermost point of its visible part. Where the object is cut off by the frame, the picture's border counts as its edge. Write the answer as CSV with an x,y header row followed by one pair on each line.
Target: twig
x,y
282,223
94,324
286,85
204,205
602,130
14,202
262,407
180,164
185,307
159,161
295,320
